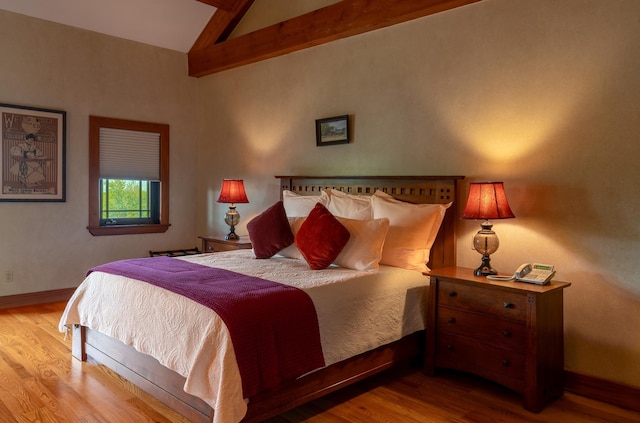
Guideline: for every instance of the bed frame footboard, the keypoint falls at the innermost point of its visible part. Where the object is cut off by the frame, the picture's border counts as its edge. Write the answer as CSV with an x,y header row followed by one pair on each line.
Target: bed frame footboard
x,y
408,351
140,369
165,385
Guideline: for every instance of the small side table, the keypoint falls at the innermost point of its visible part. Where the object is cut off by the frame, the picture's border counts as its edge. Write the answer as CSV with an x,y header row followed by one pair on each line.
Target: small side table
x,y
216,243
508,332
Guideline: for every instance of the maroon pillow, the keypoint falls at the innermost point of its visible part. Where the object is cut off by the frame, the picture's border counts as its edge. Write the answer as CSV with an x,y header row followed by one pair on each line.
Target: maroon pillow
x,y
321,238
270,232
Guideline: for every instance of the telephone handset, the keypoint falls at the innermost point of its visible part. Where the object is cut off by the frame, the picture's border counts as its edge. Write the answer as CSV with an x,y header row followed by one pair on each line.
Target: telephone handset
x,y
537,273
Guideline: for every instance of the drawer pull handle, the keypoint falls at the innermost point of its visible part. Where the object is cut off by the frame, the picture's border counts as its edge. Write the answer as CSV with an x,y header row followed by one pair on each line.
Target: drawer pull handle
x,y
506,334
451,320
506,363
453,293
507,304
450,347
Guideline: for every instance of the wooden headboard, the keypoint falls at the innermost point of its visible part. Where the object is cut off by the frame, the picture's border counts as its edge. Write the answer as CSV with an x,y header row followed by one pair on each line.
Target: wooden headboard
x,y
413,189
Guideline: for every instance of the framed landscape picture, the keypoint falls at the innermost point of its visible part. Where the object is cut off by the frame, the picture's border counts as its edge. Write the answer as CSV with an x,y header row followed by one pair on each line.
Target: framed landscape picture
x,y
32,156
333,130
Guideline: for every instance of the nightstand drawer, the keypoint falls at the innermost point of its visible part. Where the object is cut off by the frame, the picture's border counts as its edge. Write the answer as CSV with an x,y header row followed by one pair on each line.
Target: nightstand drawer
x,y
503,333
503,304
212,243
214,246
459,352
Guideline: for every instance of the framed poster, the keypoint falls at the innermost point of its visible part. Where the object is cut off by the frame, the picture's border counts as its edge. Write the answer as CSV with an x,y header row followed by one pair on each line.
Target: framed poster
x,y
333,130
32,156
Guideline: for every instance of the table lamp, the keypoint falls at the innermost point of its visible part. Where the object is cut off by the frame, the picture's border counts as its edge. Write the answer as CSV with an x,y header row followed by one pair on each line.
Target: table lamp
x,y
232,191
487,200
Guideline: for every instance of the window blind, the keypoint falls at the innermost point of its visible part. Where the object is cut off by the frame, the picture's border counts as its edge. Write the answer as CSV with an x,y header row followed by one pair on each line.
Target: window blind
x,y
126,154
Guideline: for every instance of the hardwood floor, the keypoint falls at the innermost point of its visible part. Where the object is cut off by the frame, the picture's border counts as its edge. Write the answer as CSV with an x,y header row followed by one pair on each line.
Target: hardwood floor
x,y
40,382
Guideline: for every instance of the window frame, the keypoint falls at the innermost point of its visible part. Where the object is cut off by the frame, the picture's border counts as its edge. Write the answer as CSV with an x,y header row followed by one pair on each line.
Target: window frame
x,y
97,122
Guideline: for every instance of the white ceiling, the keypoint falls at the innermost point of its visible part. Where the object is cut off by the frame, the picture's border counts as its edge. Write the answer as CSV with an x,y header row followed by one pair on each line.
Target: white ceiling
x,y
171,24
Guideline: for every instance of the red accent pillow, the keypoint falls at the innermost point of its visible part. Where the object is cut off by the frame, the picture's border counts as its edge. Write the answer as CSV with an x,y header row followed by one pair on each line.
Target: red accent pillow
x,y
270,232
321,238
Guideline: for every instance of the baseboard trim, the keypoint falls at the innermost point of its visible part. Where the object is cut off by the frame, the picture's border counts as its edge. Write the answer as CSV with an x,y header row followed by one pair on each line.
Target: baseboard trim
x,y
619,394
35,298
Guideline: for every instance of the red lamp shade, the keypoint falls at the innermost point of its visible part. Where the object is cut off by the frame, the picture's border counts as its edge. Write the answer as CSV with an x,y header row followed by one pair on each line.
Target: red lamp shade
x,y
232,191
487,200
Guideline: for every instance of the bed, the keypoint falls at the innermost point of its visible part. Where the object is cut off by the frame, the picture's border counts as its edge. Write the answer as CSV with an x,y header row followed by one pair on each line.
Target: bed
x,y
343,365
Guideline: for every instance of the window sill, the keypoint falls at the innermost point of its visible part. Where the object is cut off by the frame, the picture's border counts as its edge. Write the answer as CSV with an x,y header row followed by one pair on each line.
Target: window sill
x,y
128,229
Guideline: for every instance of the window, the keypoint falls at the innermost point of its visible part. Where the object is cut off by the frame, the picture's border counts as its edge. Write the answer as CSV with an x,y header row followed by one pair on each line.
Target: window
x,y
128,177
126,201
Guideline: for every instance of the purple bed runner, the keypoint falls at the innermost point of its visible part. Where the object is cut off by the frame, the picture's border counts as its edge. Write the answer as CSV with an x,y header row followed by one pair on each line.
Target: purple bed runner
x,y
273,327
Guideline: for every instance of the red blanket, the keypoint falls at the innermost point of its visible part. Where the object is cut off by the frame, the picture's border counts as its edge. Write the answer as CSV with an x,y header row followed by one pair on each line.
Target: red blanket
x,y
273,327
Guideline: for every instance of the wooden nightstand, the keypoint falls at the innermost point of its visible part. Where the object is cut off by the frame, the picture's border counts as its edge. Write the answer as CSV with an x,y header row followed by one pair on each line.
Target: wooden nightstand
x,y
508,332
215,243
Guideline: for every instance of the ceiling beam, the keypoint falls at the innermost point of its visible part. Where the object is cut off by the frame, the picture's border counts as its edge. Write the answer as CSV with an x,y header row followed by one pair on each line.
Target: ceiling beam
x,y
221,24
333,22
220,4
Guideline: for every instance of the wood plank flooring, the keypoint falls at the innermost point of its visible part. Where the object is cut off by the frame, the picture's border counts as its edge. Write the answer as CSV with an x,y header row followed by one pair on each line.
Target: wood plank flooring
x,y
41,382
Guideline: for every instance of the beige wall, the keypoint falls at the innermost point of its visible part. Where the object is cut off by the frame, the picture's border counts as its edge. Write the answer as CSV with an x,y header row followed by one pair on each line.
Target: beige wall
x,y
541,94
47,245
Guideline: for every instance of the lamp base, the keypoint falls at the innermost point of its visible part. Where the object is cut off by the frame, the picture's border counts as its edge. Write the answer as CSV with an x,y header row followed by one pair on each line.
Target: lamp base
x,y
485,268
232,218
232,236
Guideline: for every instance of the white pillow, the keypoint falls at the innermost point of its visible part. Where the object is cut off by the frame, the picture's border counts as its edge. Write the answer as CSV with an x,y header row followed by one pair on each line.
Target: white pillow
x,y
296,205
436,226
412,230
362,252
292,250
364,249
385,195
350,206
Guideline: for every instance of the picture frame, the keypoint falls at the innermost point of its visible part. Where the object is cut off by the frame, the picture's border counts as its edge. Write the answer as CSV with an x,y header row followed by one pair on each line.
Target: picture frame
x,y
333,130
33,154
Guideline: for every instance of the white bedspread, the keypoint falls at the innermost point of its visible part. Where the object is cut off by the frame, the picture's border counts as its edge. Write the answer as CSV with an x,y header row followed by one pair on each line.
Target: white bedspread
x,y
357,311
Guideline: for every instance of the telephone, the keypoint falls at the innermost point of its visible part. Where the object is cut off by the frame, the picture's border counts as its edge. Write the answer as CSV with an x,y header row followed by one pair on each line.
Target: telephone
x,y
537,273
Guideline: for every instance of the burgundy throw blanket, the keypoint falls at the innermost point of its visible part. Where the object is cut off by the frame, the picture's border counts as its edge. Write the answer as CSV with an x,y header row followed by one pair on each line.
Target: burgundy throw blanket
x,y
273,327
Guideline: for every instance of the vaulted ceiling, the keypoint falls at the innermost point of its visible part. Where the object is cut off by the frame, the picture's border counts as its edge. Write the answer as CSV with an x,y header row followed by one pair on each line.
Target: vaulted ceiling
x,y
214,50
